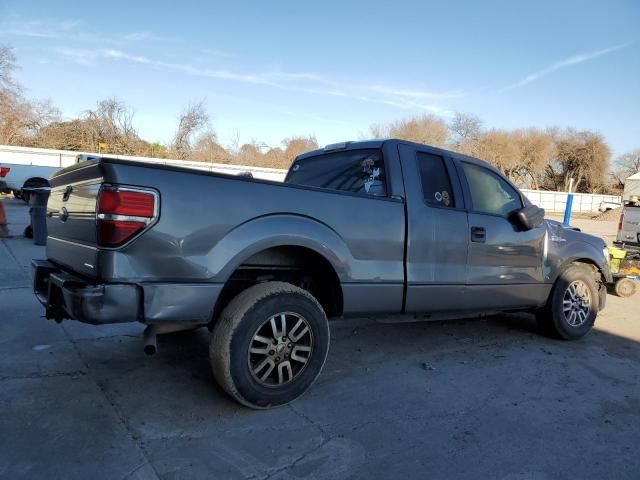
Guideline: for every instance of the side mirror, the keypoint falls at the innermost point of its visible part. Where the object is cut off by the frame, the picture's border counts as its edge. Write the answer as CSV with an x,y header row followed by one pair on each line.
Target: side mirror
x,y
527,217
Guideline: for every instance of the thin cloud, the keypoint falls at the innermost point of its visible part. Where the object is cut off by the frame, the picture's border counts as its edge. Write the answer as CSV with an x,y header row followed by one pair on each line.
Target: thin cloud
x,y
413,93
81,56
304,82
40,28
144,36
567,62
117,54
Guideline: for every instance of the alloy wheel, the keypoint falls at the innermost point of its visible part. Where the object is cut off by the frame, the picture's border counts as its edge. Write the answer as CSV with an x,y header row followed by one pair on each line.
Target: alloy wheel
x,y
280,349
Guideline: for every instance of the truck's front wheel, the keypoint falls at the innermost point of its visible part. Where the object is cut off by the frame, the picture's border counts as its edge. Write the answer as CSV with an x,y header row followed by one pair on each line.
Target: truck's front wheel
x,y
269,344
572,306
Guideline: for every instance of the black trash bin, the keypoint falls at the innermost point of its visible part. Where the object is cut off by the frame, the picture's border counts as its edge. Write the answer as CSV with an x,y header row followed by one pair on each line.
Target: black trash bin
x,y
38,197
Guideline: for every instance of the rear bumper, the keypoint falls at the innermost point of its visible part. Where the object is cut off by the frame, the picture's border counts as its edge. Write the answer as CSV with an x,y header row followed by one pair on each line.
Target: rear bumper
x,y
68,296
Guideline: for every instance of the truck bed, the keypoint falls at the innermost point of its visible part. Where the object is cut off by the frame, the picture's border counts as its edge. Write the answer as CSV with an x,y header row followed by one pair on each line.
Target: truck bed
x,y
210,223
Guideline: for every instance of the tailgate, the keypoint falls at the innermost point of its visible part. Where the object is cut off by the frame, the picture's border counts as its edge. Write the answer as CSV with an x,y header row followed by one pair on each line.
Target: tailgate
x,y
630,231
71,218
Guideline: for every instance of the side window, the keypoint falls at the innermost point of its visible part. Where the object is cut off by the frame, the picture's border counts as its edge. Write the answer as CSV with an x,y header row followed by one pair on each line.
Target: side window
x,y
355,171
489,192
436,186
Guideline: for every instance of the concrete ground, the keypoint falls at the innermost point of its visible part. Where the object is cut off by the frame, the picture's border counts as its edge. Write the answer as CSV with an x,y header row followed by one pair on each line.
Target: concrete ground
x,y
459,399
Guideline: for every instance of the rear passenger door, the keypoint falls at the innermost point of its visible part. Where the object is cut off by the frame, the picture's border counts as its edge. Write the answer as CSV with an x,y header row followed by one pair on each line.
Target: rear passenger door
x,y
437,234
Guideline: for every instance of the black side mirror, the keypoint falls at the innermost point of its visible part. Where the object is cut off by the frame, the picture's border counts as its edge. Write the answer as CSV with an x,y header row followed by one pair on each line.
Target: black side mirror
x,y
527,217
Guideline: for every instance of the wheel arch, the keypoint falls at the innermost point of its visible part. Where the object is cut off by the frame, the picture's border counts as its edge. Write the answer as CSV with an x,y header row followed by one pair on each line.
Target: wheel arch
x,y
298,265
296,247
35,180
584,261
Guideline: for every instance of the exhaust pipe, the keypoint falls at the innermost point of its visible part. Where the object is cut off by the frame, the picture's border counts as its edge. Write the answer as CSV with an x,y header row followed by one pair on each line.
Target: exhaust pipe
x,y
150,340
152,331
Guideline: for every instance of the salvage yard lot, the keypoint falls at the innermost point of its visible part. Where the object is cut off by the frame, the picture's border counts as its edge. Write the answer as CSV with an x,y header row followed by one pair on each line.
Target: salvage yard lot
x,y
459,399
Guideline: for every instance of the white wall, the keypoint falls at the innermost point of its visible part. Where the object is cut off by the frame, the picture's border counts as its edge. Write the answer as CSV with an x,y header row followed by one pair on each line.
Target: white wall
x,y
557,201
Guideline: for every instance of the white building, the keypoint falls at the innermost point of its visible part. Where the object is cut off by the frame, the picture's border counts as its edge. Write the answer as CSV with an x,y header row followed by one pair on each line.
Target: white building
x,y
631,186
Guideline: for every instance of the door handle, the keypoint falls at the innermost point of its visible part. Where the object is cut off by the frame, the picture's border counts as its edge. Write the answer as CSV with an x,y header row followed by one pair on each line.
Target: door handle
x,y
478,234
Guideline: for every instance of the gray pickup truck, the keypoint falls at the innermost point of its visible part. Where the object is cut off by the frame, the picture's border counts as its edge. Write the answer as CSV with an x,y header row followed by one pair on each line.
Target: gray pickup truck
x,y
356,229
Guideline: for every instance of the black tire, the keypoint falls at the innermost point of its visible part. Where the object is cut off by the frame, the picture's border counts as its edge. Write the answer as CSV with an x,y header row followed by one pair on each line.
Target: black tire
x,y
625,287
32,183
552,319
234,332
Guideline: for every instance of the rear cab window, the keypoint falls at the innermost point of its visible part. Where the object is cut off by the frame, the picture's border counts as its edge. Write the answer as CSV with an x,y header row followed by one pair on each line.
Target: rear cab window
x,y
436,184
360,172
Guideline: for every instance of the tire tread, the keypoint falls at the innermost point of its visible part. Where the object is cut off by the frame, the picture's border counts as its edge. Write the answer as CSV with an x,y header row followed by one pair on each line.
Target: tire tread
x,y
227,324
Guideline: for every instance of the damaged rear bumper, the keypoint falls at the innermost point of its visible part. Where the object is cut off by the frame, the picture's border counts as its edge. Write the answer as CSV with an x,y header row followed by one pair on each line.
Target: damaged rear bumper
x,y
65,295
68,296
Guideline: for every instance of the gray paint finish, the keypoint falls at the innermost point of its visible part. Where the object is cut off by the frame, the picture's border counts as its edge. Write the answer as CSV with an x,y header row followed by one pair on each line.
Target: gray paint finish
x,y
391,255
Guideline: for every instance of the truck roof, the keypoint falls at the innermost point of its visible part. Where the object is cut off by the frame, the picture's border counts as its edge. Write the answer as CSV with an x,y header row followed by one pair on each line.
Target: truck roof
x,y
379,143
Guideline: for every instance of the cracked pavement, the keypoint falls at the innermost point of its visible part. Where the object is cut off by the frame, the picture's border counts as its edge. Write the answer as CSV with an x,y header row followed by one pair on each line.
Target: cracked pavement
x,y
462,399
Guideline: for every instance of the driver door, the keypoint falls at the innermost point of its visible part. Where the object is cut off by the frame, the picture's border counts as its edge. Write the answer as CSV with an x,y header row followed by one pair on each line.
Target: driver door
x,y
504,264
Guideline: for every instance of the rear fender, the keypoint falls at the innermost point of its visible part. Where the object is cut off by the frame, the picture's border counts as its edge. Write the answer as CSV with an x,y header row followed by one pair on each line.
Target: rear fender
x,y
278,230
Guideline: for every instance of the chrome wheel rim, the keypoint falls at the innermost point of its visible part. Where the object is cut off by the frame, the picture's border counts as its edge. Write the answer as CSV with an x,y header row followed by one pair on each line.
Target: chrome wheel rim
x,y
280,349
576,303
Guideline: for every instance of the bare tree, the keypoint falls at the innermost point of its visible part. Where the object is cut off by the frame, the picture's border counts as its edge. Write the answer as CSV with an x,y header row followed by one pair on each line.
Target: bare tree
x,y
535,150
378,131
275,158
7,67
581,155
207,149
464,131
295,146
498,148
427,129
192,120
111,122
20,119
626,165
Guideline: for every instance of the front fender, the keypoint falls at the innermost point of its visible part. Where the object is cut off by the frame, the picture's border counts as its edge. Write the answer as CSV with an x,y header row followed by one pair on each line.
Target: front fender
x,y
563,254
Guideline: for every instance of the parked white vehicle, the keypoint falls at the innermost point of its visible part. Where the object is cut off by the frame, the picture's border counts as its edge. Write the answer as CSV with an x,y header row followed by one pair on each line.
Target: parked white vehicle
x,y
16,177
606,206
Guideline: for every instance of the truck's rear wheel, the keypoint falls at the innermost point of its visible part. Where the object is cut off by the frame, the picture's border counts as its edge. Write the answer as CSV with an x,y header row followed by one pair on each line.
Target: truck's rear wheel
x,y
573,304
269,344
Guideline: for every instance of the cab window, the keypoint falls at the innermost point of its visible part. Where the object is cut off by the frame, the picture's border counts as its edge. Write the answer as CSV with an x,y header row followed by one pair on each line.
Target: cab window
x,y
436,185
489,192
356,171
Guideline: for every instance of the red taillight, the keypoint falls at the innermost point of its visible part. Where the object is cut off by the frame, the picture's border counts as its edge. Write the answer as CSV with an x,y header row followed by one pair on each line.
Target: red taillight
x,y
621,222
125,202
115,232
122,214
4,171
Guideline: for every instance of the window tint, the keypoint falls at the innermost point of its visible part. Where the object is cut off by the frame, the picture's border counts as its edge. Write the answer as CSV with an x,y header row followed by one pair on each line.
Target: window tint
x,y
436,186
355,171
489,192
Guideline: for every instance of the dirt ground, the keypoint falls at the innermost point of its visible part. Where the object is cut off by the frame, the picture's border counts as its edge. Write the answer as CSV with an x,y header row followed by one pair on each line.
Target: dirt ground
x,y
462,399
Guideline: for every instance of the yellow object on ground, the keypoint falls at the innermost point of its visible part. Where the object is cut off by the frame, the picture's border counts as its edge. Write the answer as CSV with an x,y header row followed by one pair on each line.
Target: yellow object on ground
x,y
617,253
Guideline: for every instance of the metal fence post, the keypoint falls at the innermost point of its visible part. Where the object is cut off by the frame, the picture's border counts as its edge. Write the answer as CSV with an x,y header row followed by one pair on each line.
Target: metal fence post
x,y
567,209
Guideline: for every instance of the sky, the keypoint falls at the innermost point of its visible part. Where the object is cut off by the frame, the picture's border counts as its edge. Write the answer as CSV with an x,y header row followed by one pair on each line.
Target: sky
x,y
268,70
